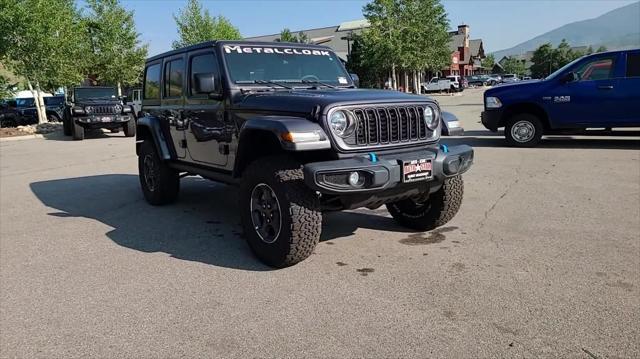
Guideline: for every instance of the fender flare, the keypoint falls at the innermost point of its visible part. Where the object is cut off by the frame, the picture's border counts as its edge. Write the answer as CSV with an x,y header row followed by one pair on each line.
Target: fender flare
x,y
275,127
280,125
151,125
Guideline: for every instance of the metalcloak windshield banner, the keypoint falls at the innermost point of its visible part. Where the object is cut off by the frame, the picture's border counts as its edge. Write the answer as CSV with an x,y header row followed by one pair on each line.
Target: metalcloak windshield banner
x,y
273,50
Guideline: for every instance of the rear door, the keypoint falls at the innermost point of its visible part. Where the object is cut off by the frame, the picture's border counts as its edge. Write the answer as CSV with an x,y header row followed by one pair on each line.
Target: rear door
x,y
208,133
173,86
629,91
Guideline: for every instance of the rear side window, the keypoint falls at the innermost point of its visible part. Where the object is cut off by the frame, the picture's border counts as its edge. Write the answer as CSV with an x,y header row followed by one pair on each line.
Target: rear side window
x,y
173,78
201,64
152,82
599,69
633,65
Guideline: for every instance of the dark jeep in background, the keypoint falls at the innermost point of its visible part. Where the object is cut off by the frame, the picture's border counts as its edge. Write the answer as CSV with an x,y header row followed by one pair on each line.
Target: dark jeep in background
x,y
90,108
286,123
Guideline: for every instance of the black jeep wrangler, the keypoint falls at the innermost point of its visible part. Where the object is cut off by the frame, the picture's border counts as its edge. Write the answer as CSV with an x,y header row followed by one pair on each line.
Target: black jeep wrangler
x,y
97,107
286,123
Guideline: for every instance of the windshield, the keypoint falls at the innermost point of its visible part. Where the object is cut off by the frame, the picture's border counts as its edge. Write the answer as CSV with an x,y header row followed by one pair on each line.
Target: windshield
x,y
562,69
95,93
257,64
54,100
25,102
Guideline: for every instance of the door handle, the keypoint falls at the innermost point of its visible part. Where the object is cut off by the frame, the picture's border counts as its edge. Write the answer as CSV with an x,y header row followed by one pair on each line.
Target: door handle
x,y
605,87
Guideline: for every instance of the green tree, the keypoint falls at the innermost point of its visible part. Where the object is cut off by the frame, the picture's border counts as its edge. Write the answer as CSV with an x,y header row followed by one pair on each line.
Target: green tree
x,y
117,54
513,65
542,64
196,25
43,44
287,36
602,48
361,62
5,88
408,34
303,38
489,61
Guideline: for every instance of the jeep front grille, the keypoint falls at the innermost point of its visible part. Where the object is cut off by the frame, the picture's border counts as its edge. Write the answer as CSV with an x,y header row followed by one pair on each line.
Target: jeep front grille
x,y
104,109
388,125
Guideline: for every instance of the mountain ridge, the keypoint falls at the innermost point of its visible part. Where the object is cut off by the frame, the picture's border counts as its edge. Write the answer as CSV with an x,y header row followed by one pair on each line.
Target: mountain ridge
x,y
616,29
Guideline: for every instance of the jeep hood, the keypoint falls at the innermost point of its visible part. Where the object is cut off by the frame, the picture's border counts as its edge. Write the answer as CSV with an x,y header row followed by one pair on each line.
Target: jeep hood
x,y
304,101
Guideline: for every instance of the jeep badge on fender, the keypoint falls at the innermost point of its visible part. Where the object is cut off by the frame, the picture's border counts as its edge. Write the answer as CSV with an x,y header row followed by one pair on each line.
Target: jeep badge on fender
x,y
288,126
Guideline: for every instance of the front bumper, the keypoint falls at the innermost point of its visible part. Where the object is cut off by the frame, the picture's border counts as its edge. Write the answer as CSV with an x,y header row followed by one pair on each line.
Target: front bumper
x,y
97,120
492,119
385,172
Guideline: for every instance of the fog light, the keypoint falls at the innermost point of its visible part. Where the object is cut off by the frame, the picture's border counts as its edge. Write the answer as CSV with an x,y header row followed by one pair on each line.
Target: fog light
x,y
354,179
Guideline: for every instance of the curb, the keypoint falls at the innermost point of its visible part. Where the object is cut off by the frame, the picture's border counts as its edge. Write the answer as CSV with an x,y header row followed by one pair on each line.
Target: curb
x,y
21,138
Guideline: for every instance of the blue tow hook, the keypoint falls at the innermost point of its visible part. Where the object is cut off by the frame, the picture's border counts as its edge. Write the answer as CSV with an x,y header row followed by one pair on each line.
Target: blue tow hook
x,y
444,148
372,157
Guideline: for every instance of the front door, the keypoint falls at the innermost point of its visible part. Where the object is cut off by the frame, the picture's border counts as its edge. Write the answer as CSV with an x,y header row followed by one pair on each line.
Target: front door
x,y
591,100
208,132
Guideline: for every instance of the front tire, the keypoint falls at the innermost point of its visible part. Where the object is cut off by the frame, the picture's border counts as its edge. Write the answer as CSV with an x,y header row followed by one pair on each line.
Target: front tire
x,y
439,208
130,128
77,131
160,183
280,215
523,130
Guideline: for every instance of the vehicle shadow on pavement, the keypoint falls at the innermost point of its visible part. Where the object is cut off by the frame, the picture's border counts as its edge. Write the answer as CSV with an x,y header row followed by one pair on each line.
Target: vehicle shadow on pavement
x,y
202,226
89,135
616,140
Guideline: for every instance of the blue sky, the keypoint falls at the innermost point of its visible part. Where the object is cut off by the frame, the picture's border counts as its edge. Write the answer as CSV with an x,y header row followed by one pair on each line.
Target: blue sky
x,y
500,23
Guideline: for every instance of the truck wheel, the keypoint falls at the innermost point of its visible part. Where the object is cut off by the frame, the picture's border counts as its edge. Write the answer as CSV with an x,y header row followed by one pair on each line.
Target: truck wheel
x,y
77,132
280,215
439,209
160,183
130,128
523,130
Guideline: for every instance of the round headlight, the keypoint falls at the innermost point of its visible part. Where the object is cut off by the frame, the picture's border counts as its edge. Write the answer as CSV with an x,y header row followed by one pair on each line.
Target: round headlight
x,y
118,108
430,118
341,123
88,109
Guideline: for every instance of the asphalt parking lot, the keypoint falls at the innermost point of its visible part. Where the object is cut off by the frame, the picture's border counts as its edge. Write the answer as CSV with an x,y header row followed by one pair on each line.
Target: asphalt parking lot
x,y
543,260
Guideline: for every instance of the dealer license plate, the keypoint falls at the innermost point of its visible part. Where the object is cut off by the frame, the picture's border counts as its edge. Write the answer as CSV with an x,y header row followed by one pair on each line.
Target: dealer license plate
x,y
417,170
106,119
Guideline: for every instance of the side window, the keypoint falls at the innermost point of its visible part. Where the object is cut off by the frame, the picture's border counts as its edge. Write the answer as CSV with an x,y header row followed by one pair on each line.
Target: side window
x,y
599,69
201,64
152,82
633,65
173,76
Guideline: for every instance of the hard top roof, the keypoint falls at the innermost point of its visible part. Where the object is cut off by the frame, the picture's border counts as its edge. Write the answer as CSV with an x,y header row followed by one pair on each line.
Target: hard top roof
x,y
207,44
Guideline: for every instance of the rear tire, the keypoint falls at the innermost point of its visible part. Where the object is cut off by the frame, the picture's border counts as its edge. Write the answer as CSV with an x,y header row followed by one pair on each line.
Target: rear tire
x,y
66,124
523,130
130,128
288,235
77,132
439,209
160,183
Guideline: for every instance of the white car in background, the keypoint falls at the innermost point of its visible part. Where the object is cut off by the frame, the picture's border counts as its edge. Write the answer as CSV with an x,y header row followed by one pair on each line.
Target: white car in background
x,y
456,83
510,78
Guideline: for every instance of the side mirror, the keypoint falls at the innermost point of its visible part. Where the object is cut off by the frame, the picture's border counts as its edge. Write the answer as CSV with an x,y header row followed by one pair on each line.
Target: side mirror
x,y
356,79
570,77
205,83
124,99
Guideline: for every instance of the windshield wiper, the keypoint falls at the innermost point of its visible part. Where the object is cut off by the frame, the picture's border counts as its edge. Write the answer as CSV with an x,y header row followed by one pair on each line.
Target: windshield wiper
x,y
264,82
318,82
